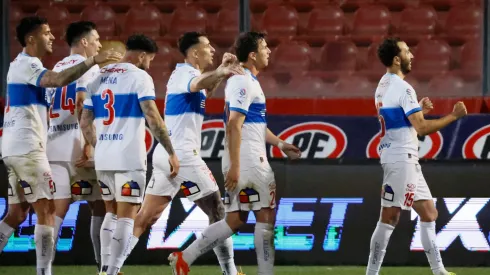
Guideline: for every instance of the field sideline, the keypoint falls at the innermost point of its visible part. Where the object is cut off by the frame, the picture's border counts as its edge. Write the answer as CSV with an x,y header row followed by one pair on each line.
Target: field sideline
x,y
249,270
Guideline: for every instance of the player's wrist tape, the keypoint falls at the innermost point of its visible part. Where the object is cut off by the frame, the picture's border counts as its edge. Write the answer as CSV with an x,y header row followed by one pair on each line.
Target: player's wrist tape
x,y
280,144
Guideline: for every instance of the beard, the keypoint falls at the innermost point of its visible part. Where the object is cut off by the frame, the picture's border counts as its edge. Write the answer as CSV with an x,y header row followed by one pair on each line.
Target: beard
x,y
405,67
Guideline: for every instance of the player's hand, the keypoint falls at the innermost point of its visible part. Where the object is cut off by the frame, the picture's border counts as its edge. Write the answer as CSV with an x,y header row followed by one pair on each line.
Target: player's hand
x,y
230,70
84,160
107,56
426,105
174,165
231,178
291,151
459,110
229,59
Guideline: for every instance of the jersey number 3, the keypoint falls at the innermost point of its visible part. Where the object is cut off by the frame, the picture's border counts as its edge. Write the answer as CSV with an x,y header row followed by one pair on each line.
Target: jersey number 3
x,y
109,106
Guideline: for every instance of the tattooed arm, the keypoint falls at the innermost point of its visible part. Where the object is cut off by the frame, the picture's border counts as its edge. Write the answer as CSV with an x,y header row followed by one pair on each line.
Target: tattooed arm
x,y
88,127
65,77
159,130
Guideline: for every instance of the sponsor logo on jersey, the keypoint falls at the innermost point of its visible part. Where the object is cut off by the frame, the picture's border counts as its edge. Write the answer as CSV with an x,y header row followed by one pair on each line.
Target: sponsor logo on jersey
x,y
130,189
477,145
212,138
314,139
429,146
80,188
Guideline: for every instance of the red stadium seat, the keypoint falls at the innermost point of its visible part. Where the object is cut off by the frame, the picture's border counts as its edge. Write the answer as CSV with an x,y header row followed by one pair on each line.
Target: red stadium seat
x,y
324,24
15,15
398,5
352,5
305,86
430,58
280,21
463,23
417,24
226,28
355,86
187,19
337,58
258,6
104,17
370,23
447,85
374,69
57,18
471,61
15,49
166,58
142,19
291,57
268,84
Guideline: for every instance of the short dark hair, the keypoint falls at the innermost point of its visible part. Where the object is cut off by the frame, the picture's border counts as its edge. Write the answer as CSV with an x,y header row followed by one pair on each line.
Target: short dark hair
x,y
388,49
141,42
187,40
28,25
246,43
77,30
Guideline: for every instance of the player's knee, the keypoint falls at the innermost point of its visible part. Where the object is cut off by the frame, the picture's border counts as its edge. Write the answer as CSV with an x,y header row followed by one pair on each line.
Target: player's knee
x,y
16,216
430,215
235,220
390,215
217,214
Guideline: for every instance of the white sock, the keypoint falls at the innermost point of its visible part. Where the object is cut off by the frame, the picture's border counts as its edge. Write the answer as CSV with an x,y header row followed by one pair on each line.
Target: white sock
x,y
5,232
44,238
57,228
428,237
210,237
224,252
264,247
95,225
120,244
132,245
106,233
379,242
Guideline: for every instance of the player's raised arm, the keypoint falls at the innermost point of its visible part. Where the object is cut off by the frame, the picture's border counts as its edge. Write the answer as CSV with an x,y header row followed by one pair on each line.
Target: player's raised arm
x,y
53,79
210,80
290,150
426,127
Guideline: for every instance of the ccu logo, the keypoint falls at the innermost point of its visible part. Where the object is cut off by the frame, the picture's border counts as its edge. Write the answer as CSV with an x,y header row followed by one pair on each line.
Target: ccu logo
x,y
212,138
314,139
429,146
477,146
149,140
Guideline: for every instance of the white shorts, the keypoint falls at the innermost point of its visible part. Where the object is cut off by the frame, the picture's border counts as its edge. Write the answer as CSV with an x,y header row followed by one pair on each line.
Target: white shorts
x,y
72,182
123,186
29,178
256,189
403,183
194,178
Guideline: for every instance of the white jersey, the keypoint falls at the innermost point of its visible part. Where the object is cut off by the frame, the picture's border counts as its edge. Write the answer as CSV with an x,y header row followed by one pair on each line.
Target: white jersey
x,y
395,100
64,135
25,122
184,110
114,96
243,94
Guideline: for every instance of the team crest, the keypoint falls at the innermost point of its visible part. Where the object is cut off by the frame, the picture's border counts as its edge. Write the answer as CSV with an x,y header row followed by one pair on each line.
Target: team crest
x,y
189,188
80,188
249,195
130,189
104,189
227,198
388,193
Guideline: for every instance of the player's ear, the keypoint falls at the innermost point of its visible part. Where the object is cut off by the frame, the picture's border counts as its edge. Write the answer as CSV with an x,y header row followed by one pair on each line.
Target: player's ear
x,y
253,56
30,39
84,42
141,56
396,60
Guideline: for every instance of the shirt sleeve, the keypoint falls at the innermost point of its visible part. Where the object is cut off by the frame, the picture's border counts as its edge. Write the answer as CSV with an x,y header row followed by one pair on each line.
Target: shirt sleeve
x,y
35,71
146,88
185,83
409,103
83,81
239,95
87,103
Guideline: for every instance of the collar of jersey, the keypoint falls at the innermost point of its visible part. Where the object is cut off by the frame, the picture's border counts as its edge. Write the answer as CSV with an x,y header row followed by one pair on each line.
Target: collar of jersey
x,y
184,64
23,53
248,71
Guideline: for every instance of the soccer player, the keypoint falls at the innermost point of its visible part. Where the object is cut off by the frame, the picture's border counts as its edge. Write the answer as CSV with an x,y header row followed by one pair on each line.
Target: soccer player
x,y
65,142
187,90
404,186
119,99
249,179
24,136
